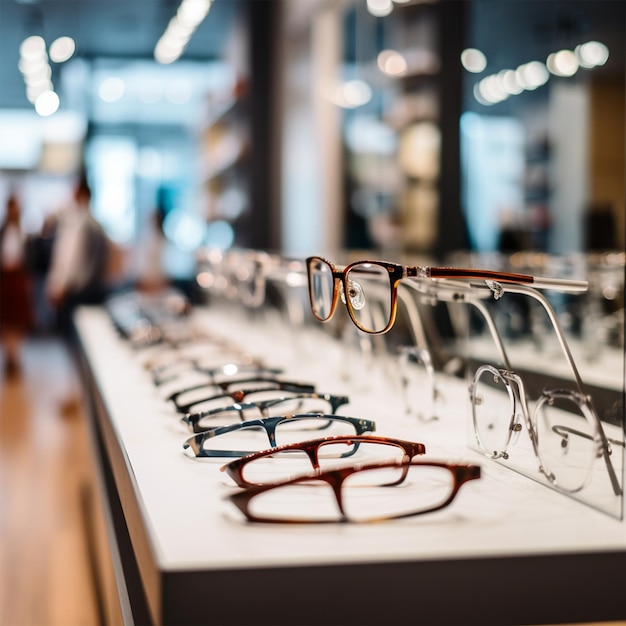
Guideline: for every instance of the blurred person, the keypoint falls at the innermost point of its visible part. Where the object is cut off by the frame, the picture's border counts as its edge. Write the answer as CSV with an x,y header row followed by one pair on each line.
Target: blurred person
x,y
79,262
40,255
16,313
149,272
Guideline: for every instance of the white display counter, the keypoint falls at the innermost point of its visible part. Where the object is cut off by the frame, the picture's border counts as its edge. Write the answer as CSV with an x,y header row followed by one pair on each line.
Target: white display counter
x,y
507,550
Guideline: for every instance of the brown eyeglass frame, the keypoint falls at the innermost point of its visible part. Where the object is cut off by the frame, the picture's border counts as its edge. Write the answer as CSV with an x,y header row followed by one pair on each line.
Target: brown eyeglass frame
x,y
397,272
336,477
311,448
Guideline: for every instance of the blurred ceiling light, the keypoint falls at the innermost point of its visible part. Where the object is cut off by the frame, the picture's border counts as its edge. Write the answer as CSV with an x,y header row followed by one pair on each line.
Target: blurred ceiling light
x,y
28,66
562,63
34,91
165,52
509,82
532,75
112,89
592,54
180,30
62,49
392,63
38,74
479,96
529,76
47,103
473,60
33,47
379,8
491,89
192,12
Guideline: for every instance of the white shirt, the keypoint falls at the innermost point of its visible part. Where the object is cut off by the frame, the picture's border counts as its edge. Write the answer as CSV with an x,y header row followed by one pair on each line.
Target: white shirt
x,y
12,247
70,268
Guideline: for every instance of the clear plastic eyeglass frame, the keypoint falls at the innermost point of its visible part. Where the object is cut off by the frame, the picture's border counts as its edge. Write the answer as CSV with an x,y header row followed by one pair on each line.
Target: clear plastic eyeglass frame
x,y
564,434
610,449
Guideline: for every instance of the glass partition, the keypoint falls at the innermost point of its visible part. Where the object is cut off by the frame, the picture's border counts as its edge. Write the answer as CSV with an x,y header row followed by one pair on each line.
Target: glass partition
x,y
546,386
542,147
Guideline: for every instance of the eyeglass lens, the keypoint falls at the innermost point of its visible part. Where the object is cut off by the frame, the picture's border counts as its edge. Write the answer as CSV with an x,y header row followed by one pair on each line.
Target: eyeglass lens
x,y
322,288
286,406
364,495
492,413
287,431
332,455
566,444
565,439
369,296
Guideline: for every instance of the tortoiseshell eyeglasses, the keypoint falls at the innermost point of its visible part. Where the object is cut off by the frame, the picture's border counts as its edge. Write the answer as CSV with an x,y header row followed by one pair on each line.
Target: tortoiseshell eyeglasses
x,y
369,288
358,493
299,458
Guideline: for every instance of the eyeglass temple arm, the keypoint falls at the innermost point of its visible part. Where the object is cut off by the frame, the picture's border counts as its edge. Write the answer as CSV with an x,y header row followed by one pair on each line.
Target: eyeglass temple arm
x,y
559,284
414,318
226,383
462,292
193,419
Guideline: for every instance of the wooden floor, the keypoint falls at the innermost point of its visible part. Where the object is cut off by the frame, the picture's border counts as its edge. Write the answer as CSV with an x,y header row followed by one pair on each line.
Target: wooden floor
x,y
45,573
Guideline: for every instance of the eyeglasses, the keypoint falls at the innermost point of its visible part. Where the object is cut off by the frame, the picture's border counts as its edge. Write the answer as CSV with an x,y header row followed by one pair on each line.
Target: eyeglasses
x,y
377,282
368,493
251,436
272,465
564,428
277,406
202,399
189,365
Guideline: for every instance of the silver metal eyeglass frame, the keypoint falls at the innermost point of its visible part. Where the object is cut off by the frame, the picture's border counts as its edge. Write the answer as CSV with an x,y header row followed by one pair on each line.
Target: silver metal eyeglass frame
x,y
475,293
517,395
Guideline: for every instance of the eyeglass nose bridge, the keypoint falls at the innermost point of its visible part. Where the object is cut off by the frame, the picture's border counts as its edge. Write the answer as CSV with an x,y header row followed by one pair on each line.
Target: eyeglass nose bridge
x,y
516,429
355,293
518,405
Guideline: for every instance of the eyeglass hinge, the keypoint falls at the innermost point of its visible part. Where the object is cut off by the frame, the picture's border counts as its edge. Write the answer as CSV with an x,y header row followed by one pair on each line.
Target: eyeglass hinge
x,y
418,271
496,288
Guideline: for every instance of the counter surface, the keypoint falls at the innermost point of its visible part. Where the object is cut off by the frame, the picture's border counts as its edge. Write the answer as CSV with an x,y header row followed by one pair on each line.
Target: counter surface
x,y
180,524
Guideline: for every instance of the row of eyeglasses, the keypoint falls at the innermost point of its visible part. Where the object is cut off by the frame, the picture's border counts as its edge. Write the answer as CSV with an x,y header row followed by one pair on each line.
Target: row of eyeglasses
x,y
293,455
